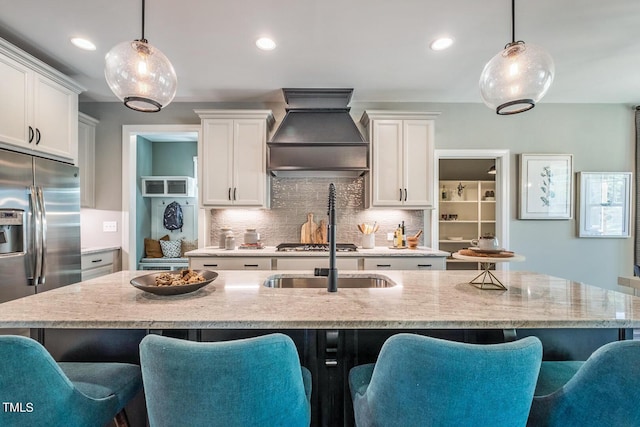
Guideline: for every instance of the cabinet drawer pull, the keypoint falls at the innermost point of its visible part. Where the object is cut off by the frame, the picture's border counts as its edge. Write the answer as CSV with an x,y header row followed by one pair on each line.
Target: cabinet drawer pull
x,y
30,134
234,193
405,194
209,265
229,195
252,265
96,260
424,265
383,265
400,199
37,136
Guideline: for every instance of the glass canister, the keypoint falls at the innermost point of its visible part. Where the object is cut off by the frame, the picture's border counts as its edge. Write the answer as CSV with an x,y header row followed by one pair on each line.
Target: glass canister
x,y
230,242
251,236
224,232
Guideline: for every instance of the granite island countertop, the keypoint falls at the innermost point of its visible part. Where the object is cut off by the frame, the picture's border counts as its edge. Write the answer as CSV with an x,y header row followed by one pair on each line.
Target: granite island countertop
x,y
421,300
270,251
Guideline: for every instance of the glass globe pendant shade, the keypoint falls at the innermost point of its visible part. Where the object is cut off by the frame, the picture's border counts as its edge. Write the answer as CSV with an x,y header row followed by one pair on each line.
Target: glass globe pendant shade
x,y
140,75
516,78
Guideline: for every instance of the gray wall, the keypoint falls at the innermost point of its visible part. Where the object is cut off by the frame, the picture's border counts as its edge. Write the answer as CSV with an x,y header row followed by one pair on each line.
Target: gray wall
x,y
600,136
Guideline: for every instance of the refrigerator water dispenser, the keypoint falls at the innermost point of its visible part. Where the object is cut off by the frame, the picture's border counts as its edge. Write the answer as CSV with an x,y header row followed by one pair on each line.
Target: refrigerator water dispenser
x,y
11,231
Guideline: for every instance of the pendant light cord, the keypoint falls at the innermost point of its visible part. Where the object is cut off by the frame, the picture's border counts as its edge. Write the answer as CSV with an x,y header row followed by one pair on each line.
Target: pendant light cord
x,y
143,39
513,20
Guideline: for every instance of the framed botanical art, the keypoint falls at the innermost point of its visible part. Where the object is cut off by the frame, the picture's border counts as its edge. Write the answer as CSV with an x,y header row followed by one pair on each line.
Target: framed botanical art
x,y
604,204
546,186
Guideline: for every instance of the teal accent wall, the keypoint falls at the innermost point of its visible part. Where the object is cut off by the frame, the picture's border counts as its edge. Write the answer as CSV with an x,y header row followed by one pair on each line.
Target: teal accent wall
x,y
174,158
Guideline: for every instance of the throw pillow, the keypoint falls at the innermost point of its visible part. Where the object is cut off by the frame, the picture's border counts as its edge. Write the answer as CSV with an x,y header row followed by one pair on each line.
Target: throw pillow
x,y
152,247
188,245
170,248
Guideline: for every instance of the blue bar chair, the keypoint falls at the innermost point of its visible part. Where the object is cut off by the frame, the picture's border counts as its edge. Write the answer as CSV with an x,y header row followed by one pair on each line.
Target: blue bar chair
x,y
603,391
423,381
244,383
36,391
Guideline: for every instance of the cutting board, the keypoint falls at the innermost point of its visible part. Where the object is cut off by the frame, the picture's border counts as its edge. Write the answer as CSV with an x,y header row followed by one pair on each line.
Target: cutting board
x,y
308,230
321,233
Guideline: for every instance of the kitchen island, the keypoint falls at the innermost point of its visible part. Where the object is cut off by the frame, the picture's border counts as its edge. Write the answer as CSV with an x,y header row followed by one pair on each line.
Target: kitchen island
x,y
105,318
420,299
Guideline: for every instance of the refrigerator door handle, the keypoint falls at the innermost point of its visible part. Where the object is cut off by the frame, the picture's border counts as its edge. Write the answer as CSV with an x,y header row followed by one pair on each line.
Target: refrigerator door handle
x,y
43,237
32,237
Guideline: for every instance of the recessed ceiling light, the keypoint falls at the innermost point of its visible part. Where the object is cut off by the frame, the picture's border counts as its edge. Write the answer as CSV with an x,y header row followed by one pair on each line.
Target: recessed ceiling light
x,y
265,43
441,43
83,43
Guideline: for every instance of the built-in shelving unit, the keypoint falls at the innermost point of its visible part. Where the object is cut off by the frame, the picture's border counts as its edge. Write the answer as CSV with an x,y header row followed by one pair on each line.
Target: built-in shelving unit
x,y
467,210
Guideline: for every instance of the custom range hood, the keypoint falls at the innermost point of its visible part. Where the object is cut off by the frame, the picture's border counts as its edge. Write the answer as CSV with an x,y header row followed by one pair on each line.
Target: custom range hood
x,y
317,136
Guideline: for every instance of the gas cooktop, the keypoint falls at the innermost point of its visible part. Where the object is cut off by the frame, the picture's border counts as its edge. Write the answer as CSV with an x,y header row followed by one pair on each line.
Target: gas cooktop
x,y
315,247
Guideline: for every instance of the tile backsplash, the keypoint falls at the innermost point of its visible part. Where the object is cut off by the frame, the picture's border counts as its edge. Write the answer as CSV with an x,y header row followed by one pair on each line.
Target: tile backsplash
x,y
293,198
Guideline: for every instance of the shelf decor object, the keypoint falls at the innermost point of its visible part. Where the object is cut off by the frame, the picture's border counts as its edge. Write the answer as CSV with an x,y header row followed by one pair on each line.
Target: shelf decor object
x,y
140,75
546,186
516,77
604,204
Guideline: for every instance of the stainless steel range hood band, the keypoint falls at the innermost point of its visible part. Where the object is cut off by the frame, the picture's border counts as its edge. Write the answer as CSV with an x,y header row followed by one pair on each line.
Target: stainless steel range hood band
x,y
319,138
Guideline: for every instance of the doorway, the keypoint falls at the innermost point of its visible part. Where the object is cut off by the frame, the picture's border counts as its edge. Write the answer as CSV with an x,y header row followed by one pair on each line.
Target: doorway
x,y
130,193
466,186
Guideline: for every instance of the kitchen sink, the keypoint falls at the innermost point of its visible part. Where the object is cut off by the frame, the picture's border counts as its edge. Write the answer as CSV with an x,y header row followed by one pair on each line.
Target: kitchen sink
x,y
352,281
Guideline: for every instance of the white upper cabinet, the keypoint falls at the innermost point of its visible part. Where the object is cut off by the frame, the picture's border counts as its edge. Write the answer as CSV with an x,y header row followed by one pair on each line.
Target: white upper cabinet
x,y
232,163
402,168
39,111
86,159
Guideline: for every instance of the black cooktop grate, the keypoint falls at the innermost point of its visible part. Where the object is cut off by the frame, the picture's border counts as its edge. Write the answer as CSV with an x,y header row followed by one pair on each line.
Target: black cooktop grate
x,y
315,247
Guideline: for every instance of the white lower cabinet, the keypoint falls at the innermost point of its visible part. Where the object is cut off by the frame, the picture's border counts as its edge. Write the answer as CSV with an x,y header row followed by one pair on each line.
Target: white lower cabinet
x,y
404,263
230,263
98,264
312,263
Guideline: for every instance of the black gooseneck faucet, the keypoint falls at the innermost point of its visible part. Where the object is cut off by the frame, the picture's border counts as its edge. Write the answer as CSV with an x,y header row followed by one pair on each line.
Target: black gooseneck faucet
x,y
332,271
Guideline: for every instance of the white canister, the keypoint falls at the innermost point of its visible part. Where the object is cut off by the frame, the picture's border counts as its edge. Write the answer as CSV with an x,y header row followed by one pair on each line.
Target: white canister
x,y
230,242
224,232
251,236
368,241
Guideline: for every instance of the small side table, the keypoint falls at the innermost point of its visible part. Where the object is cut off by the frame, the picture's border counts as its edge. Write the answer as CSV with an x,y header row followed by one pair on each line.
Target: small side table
x,y
486,279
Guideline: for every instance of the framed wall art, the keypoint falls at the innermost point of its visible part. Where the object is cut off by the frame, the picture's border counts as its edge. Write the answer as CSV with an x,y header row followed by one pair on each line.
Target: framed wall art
x,y
604,204
546,186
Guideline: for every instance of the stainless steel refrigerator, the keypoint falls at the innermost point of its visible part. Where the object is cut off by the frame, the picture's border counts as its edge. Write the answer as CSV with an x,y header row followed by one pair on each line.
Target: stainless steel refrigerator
x,y
39,225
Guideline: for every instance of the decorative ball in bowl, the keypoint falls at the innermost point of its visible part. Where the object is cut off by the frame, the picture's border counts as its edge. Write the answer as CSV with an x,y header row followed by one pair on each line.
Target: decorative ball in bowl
x,y
412,242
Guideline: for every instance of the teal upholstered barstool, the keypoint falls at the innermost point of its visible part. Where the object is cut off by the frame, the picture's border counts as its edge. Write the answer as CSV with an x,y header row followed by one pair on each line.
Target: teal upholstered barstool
x,y
423,381
36,391
603,391
244,383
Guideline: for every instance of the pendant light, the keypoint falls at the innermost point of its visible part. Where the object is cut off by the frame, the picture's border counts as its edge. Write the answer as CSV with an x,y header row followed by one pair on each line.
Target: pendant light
x,y
140,75
517,77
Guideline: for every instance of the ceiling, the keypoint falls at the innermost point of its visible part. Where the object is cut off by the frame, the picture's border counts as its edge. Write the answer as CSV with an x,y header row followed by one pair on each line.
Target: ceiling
x,y
378,47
